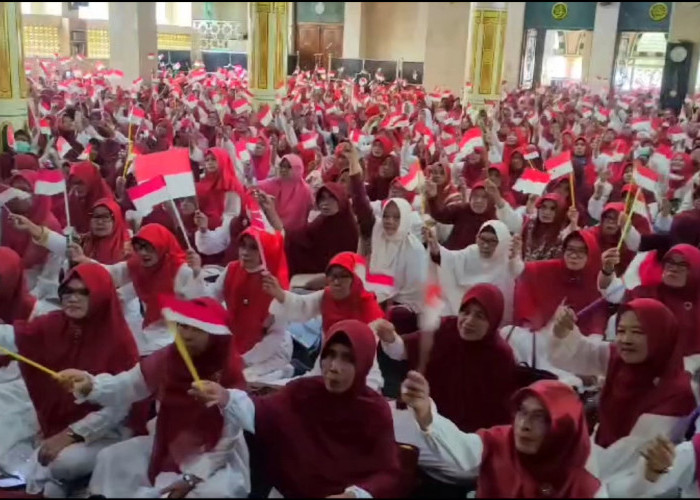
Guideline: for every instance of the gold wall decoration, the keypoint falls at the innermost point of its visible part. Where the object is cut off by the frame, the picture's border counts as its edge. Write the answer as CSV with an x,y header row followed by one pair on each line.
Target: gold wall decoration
x,y
487,50
23,87
262,39
5,67
40,41
98,45
174,41
280,35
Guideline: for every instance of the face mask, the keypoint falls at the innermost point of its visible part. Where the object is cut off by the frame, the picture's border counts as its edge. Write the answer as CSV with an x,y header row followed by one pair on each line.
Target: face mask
x,y
23,147
642,151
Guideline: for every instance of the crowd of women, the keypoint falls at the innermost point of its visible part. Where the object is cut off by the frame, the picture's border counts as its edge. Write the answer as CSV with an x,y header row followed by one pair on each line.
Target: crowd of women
x,y
363,306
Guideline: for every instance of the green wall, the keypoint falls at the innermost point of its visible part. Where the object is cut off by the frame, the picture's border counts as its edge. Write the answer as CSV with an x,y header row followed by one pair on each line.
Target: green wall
x,y
334,12
634,16
539,15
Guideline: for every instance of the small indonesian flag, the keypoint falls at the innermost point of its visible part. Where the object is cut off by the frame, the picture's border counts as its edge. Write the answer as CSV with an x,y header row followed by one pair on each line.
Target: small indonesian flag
x,y
309,141
149,194
99,66
241,106
641,124
242,152
198,74
256,216
11,193
151,56
602,114
532,182
676,134
660,160
382,285
137,115
173,165
587,112
114,74
449,146
50,182
85,155
559,166
645,178
423,129
471,140
415,178
265,116
192,101
531,154
44,108
532,118
63,147
137,83
430,144
468,86
356,136
547,114
429,318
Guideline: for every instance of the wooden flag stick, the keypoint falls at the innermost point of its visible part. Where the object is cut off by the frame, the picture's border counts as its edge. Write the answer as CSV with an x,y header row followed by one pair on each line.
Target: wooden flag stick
x,y
572,189
628,223
28,361
182,349
176,212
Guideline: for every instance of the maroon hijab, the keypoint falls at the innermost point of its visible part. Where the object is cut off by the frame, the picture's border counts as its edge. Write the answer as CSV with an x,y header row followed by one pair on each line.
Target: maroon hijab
x,y
558,469
15,301
659,385
461,372
99,343
317,443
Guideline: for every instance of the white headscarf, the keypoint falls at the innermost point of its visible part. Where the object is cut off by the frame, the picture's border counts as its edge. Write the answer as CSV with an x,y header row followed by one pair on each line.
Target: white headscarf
x,y
401,256
462,269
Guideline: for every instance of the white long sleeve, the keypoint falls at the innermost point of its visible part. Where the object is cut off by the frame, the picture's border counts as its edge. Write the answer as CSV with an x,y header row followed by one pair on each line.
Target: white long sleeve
x,y
212,242
119,273
98,424
662,223
396,350
512,219
121,390
186,285
240,410
578,354
298,308
615,291
269,345
7,338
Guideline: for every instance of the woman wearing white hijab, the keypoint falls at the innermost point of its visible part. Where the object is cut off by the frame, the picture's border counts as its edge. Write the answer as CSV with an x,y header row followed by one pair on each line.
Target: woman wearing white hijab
x,y
495,258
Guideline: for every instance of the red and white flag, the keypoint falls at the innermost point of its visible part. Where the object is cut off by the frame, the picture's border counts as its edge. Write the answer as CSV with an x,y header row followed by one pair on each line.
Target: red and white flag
x,y
449,146
309,141
645,178
99,66
148,194
198,74
559,166
356,136
531,154
472,139
532,182
429,317
50,182
256,216
641,125
45,108
63,147
137,83
175,310
602,114
414,179
242,153
382,285
173,165
660,160
137,115
677,134
241,106
11,193
85,155
11,137
265,116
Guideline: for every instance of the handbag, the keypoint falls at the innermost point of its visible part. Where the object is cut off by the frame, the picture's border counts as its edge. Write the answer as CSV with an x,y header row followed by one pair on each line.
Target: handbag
x,y
529,374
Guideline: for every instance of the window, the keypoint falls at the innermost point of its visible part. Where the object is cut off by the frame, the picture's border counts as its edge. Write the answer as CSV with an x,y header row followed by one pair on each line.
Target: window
x,y
161,17
174,13
42,8
94,10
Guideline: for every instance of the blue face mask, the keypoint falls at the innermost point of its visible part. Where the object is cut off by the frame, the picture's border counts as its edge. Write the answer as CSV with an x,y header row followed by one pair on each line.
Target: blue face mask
x,y
23,147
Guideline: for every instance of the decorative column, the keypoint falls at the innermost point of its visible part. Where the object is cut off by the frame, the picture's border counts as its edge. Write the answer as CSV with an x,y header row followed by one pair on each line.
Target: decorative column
x,y
267,50
602,60
486,42
13,83
446,46
133,35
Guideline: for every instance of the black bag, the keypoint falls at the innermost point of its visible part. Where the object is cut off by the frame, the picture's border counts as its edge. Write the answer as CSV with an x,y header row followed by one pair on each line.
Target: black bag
x,y
529,374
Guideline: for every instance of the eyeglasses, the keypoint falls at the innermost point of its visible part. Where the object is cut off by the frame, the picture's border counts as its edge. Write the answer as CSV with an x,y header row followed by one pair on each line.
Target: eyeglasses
x,y
338,276
677,264
488,241
536,418
74,292
102,217
576,251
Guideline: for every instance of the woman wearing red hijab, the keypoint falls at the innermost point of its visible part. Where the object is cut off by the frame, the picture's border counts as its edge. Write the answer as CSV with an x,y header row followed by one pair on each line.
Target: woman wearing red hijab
x,y
327,434
220,191
474,167
192,449
382,147
86,187
542,234
157,267
608,233
378,187
293,196
542,454
469,361
88,333
466,217
40,266
261,158
261,339
499,174
343,297
15,301
647,392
